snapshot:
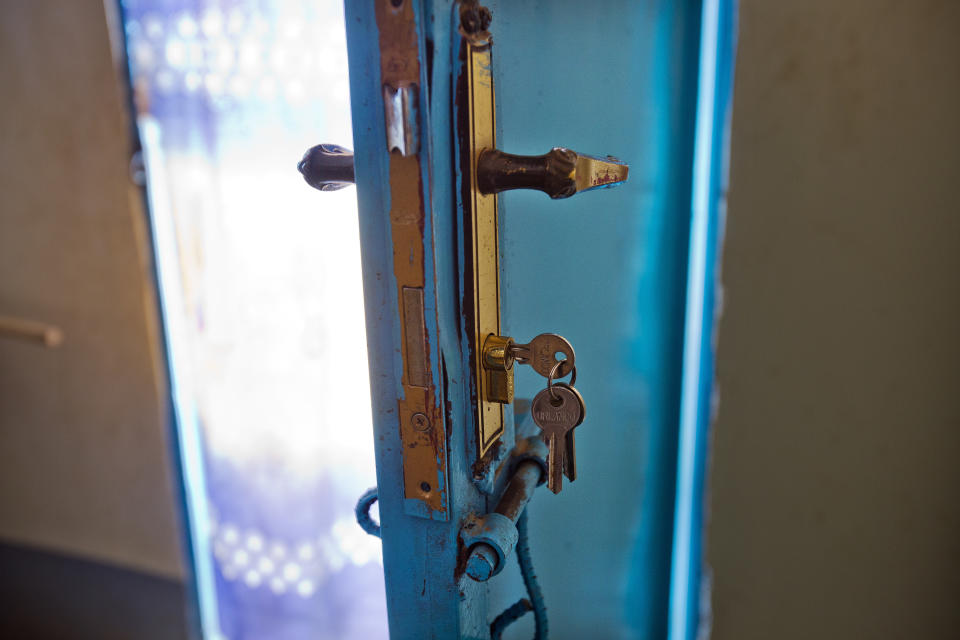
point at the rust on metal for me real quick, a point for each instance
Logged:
(421, 419)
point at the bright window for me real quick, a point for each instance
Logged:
(260, 285)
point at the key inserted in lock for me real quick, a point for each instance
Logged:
(501, 352)
(498, 362)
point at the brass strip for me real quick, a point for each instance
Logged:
(594, 173)
(421, 426)
(416, 337)
(486, 261)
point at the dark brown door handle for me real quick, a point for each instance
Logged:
(559, 173)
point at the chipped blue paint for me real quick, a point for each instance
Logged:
(425, 596)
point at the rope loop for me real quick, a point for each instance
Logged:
(363, 512)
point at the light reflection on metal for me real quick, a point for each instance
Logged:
(597, 173)
(327, 167)
(400, 115)
(498, 361)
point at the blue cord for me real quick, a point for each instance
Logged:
(510, 615)
(530, 580)
(363, 512)
(524, 559)
(535, 603)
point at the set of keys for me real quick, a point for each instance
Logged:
(559, 408)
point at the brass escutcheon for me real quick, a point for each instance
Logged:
(496, 353)
(498, 361)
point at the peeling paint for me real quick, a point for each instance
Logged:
(425, 455)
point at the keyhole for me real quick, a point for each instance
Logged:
(425, 487)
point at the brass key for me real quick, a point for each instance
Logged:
(557, 410)
(570, 444)
(570, 457)
(541, 354)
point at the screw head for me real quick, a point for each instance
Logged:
(420, 421)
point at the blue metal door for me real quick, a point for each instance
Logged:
(625, 274)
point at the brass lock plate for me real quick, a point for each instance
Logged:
(481, 227)
(421, 420)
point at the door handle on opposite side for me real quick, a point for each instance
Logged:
(327, 167)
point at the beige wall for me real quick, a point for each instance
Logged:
(84, 467)
(836, 460)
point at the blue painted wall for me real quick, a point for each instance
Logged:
(607, 269)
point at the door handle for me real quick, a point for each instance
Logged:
(327, 167)
(560, 173)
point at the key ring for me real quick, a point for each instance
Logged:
(553, 373)
(514, 350)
